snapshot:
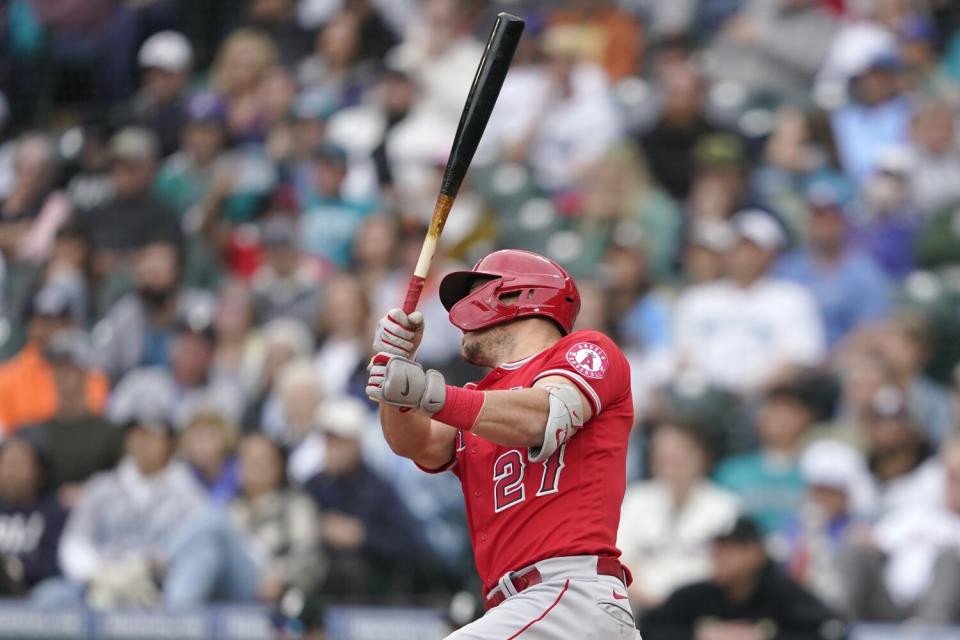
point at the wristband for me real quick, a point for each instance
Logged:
(461, 408)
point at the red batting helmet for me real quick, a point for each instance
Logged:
(545, 289)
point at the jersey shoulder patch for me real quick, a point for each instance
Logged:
(588, 359)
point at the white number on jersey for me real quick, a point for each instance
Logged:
(508, 472)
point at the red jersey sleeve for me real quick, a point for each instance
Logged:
(594, 363)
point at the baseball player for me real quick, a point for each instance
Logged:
(539, 445)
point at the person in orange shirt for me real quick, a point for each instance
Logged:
(28, 391)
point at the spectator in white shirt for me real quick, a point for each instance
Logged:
(668, 522)
(909, 565)
(904, 471)
(740, 332)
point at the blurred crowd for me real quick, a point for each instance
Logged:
(206, 205)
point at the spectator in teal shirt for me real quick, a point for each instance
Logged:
(768, 480)
(330, 219)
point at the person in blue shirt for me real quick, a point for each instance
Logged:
(877, 117)
(331, 219)
(849, 287)
(768, 480)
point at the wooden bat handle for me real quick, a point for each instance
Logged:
(414, 289)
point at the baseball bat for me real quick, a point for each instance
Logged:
(487, 82)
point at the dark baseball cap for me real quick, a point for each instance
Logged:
(743, 530)
(332, 153)
(719, 151)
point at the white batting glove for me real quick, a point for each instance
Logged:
(399, 382)
(399, 334)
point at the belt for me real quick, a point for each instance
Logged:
(526, 578)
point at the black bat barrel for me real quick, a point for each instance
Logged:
(493, 68)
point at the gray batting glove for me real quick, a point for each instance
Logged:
(399, 382)
(399, 334)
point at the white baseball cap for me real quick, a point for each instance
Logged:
(760, 228)
(837, 465)
(167, 50)
(345, 417)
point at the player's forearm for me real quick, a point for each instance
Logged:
(514, 418)
(415, 436)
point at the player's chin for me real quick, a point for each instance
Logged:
(470, 349)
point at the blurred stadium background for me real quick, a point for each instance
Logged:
(206, 204)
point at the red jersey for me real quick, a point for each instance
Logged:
(521, 512)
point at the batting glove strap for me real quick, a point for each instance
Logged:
(400, 382)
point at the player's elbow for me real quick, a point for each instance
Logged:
(403, 447)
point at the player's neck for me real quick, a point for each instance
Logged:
(531, 336)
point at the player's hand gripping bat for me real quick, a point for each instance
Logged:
(494, 64)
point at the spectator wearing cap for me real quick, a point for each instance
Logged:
(768, 480)
(920, 38)
(752, 318)
(166, 61)
(142, 533)
(372, 540)
(747, 596)
(720, 177)
(136, 329)
(908, 565)
(28, 386)
(188, 174)
(78, 441)
(935, 158)
(877, 117)
(31, 518)
(330, 217)
(899, 455)
(890, 222)
(190, 383)
(849, 287)
(286, 284)
(706, 242)
(310, 115)
(670, 142)
(667, 522)
(134, 216)
(91, 185)
(280, 521)
(838, 506)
